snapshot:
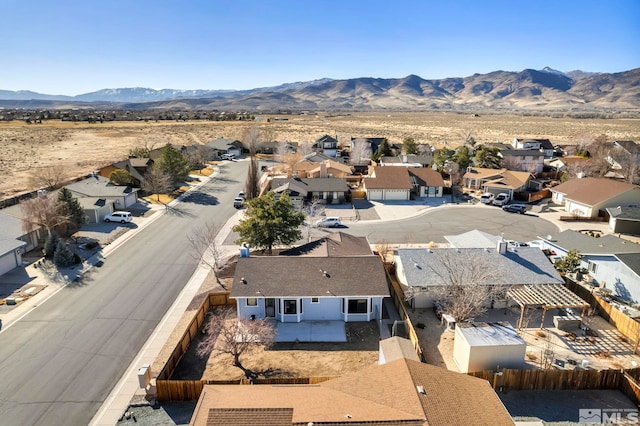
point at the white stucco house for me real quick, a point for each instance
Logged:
(97, 187)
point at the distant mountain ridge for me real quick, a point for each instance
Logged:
(545, 89)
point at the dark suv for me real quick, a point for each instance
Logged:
(515, 208)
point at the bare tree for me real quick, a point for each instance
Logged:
(198, 157)
(228, 334)
(156, 181)
(465, 282)
(305, 147)
(206, 249)
(42, 212)
(360, 152)
(47, 177)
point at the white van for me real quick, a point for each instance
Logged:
(487, 198)
(328, 222)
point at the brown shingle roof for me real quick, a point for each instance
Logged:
(427, 175)
(591, 191)
(381, 393)
(510, 179)
(482, 173)
(250, 416)
(389, 178)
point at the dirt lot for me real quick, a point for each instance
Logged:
(608, 350)
(81, 147)
(285, 360)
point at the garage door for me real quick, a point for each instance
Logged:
(395, 194)
(374, 194)
(7, 263)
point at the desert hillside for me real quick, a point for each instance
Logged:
(81, 148)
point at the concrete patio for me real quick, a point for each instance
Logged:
(311, 331)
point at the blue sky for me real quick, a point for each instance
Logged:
(72, 47)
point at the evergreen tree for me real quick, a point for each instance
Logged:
(441, 157)
(63, 255)
(269, 222)
(488, 158)
(120, 177)
(409, 146)
(463, 158)
(50, 245)
(173, 163)
(70, 207)
(570, 262)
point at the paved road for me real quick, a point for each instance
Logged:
(59, 363)
(440, 221)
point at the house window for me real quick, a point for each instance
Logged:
(315, 300)
(290, 306)
(357, 306)
(593, 267)
(252, 301)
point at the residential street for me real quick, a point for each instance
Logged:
(59, 363)
(435, 223)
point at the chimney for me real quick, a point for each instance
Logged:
(502, 246)
(244, 250)
(580, 175)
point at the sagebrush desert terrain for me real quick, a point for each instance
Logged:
(81, 147)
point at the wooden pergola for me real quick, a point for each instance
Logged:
(547, 296)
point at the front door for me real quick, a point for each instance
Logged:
(269, 308)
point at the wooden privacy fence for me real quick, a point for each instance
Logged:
(397, 295)
(213, 299)
(511, 379)
(190, 390)
(626, 325)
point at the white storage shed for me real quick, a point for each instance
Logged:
(487, 346)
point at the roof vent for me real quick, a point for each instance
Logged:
(243, 281)
(421, 390)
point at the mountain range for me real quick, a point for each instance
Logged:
(545, 89)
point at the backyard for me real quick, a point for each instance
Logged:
(604, 348)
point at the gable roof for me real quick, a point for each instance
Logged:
(544, 143)
(426, 176)
(332, 164)
(592, 191)
(473, 239)
(302, 276)
(389, 393)
(625, 212)
(326, 138)
(482, 173)
(389, 178)
(630, 146)
(303, 186)
(607, 244)
(336, 244)
(510, 179)
(524, 265)
(632, 261)
(99, 187)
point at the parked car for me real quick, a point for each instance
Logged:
(501, 199)
(238, 202)
(241, 195)
(227, 157)
(487, 198)
(329, 222)
(515, 208)
(121, 217)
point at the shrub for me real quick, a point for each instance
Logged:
(50, 245)
(63, 255)
(541, 333)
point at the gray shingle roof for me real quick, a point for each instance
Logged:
(631, 260)
(333, 245)
(527, 152)
(280, 276)
(624, 212)
(99, 187)
(525, 265)
(607, 244)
